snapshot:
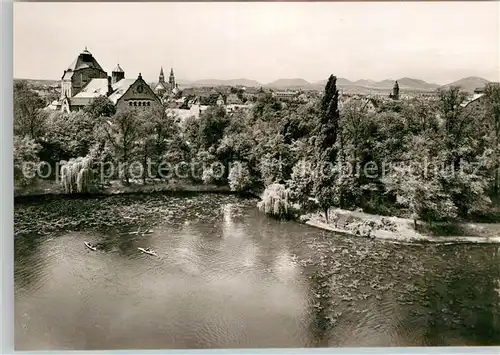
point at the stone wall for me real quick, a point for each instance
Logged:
(82, 76)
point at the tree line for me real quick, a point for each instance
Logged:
(431, 160)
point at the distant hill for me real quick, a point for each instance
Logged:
(181, 82)
(416, 84)
(404, 83)
(289, 83)
(365, 83)
(38, 81)
(383, 84)
(340, 82)
(469, 84)
(387, 84)
(230, 82)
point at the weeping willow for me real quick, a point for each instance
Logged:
(275, 201)
(76, 174)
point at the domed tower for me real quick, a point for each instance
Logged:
(83, 69)
(117, 74)
(176, 92)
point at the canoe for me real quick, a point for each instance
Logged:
(90, 246)
(149, 252)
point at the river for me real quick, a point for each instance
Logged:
(227, 276)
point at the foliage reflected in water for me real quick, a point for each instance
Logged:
(448, 297)
(361, 292)
(462, 299)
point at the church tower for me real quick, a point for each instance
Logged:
(161, 87)
(66, 86)
(395, 91)
(161, 78)
(171, 79)
(117, 74)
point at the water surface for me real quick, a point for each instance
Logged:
(229, 277)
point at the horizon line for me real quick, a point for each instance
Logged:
(314, 82)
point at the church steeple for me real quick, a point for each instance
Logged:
(395, 91)
(162, 76)
(171, 79)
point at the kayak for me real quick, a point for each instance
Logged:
(148, 251)
(90, 246)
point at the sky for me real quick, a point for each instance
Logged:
(435, 42)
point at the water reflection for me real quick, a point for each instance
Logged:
(463, 298)
(227, 276)
(29, 270)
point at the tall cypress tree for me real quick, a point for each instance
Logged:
(329, 122)
(326, 147)
(328, 94)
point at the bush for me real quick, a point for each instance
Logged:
(25, 160)
(239, 177)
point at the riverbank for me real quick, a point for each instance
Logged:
(46, 188)
(350, 223)
(401, 230)
(232, 260)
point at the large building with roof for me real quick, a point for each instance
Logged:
(475, 102)
(84, 80)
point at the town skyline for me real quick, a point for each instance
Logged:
(231, 41)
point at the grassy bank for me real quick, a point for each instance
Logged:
(50, 187)
(360, 224)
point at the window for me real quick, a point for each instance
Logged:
(130, 103)
(87, 58)
(135, 103)
(149, 103)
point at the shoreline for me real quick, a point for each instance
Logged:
(401, 231)
(47, 189)
(348, 223)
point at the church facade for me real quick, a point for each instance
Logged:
(164, 89)
(84, 80)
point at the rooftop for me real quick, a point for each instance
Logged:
(94, 88)
(99, 87)
(79, 101)
(84, 60)
(118, 69)
(120, 88)
(472, 99)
